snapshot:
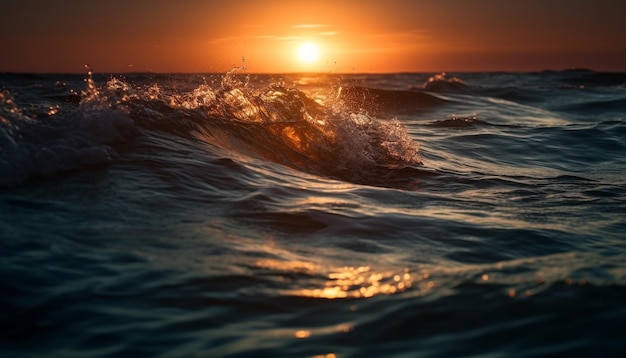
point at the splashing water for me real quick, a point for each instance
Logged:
(277, 123)
(33, 147)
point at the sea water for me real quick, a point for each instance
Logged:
(313, 215)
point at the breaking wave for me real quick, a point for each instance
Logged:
(276, 123)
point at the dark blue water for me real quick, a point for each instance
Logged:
(241, 215)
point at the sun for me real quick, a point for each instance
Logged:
(308, 52)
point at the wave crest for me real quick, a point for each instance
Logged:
(283, 125)
(276, 123)
(441, 83)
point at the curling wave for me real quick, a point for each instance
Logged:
(274, 123)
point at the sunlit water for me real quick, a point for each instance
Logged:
(313, 215)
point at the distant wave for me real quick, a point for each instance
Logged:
(588, 78)
(377, 101)
(441, 83)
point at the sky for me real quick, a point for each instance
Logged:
(343, 36)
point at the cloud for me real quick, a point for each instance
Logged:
(309, 26)
(401, 34)
(278, 38)
(220, 40)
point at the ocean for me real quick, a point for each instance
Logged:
(313, 215)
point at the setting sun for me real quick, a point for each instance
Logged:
(308, 52)
(277, 36)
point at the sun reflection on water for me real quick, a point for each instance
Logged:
(302, 334)
(358, 282)
(347, 281)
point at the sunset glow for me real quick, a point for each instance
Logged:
(308, 52)
(345, 36)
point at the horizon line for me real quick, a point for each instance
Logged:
(574, 69)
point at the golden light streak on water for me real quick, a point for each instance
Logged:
(346, 281)
(359, 282)
(302, 334)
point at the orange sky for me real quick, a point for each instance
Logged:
(352, 36)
